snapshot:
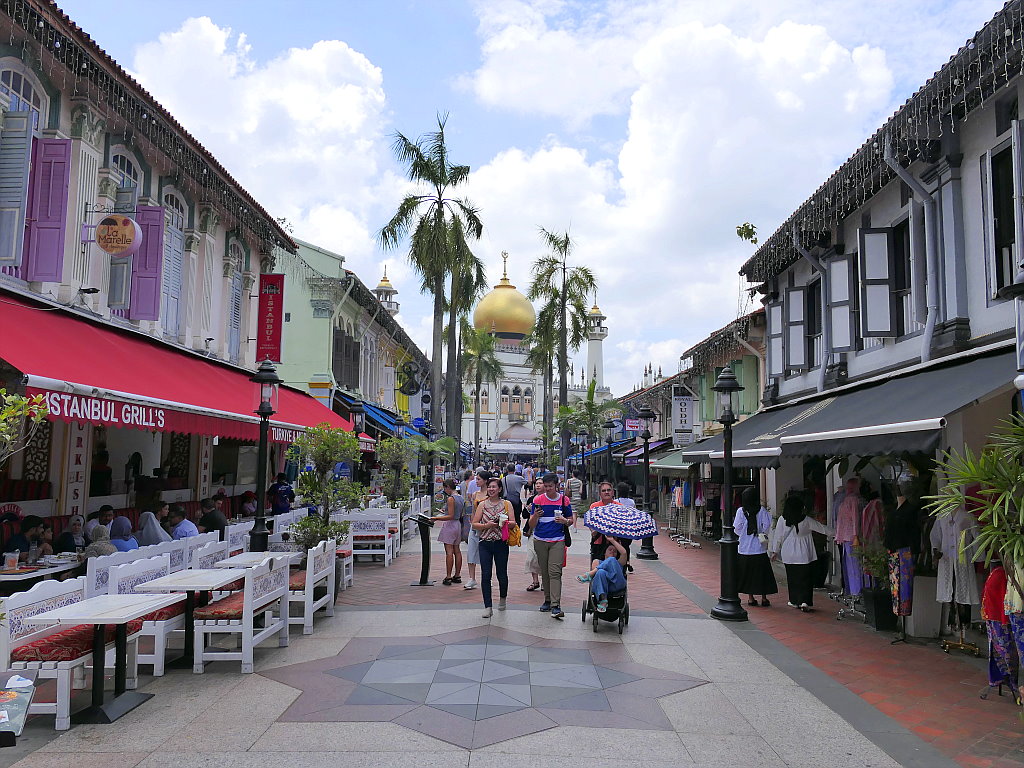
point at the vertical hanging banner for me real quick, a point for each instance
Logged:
(682, 417)
(271, 309)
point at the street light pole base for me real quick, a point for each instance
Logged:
(729, 609)
(647, 550)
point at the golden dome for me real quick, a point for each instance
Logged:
(505, 311)
(594, 310)
(385, 284)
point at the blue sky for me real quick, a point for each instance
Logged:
(648, 127)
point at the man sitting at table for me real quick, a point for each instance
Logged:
(181, 526)
(212, 518)
(31, 527)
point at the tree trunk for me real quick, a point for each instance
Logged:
(476, 411)
(549, 413)
(563, 372)
(436, 356)
(454, 381)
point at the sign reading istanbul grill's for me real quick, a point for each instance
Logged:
(118, 235)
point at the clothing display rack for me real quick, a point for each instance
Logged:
(958, 623)
(681, 526)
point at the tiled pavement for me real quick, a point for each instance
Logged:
(933, 694)
(786, 689)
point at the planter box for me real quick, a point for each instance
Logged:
(878, 609)
(926, 620)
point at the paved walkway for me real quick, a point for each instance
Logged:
(414, 676)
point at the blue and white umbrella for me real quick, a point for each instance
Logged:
(622, 521)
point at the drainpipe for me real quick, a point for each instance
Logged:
(826, 324)
(931, 249)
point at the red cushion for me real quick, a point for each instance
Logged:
(297, 580)
(166, 613)
(344, 552)
(66, 645)
(228, 608)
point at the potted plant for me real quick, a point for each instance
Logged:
(874, 560)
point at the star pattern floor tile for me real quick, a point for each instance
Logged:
(482, 688)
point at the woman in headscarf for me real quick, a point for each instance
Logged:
(150, 532)
(100, 543)
(793, 540)
(121, 535)
(752, 524)
(73, 539)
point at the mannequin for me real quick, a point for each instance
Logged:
(903, 542)
(957, 583)
(847, 529)
(1003, 661)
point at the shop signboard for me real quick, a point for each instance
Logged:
(682, 417)
(118, 235)
(271, 315)
(632, 425)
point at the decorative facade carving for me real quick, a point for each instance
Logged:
(107, 186)
(87, 125)
(191, 241)
(321, 307)
(209, 220)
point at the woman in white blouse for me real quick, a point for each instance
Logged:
(792, 539)
(754, 573)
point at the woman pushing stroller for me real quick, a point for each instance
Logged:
(607, 576)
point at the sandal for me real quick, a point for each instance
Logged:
(533, 588)
(456, 579)
(447, 581)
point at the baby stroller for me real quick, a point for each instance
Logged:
(618, 602)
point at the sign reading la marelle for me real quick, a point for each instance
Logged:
(118, 235)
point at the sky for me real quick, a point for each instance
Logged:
(647, 129)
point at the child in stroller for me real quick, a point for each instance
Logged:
(607, 575)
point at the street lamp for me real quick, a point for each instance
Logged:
(358, 414)
(609, 427)
(267, 382)
(729, 607)
(582, 436)
(647, 416)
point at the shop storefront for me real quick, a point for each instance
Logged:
(132, 419)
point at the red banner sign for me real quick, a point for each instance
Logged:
(271, 314)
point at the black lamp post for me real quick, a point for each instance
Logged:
(358, 414)
(729, 607)
(267, 380)
(582, 440)
(609, 427)
(647, 416)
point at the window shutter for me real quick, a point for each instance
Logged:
(147, 264)
(170, 300)
(776, 345)
(796, 329)
(877, 303)
(235, 316)
(127, 199)
(1017, 139)
(47, 209)
(15, 160)
(118, 289)
(918, 261)
(840, 303)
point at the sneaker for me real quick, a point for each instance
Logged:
(487, 613)
(501, 603)
(556, 612)
(805, 607)
(545, 607)
(792, 605)
(469, 584)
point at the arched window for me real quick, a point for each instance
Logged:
(517, 402)
(172, 284)
(484, 404)
(528, 403)
(504, 400)
(126, 172)
(24, 96)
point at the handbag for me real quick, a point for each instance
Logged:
(515, 535)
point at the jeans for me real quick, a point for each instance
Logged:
(550, 555)
(604, 583)
(493, 553)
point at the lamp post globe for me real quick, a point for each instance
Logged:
(646, 415)
(358, 414)
(267, 381)
(729, 606)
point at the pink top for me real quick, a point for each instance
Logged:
(871, 522)
(846, 519)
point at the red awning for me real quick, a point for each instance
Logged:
(94, 373)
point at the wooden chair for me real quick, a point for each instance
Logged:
(319, 571)
(56, 652)
(160, 624)
(265, 591)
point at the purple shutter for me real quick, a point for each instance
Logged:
(147, 264)
(47, 209)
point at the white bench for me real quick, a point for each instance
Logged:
(97, 569)
(264, 591)
(320, 570)
(369, 535)
(194, 543)
(237, 536)
(54, 651)
(159, 626)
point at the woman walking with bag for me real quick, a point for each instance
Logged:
(451, 533)
(752, 524)
(490, 521)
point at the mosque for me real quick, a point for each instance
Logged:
(512, 410)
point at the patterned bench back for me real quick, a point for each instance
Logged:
(209, 554)
(97, 569)
(177, 551)
(237, 535)
(44, 596)
(265, 583)
(124, 578)
(195, 543)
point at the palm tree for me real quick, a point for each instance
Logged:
(565, 291)
(481, 365)
(542, 343)
(468, 281)
(587, 414)
(432, 221)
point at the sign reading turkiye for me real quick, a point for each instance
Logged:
(268, 331)
(118, 235)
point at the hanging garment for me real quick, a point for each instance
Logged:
(853, 576)
(1003, 660)
(871, 524)
(698, 494)
(687, 490)
(901, 580)
(677, 497)
(956, 580)
(847, 518)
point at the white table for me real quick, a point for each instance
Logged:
(191, 581)
(39, 573)
(101, 611)
(252, 559)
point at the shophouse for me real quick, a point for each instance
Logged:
(130, 268)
